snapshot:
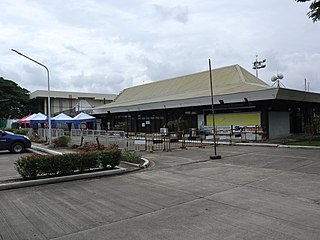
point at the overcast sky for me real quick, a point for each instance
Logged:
(105, 46)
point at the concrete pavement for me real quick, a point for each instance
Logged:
(251, 193)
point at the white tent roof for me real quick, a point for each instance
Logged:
(83, 117)
(38, 118)
(62, 118)
(29, 117)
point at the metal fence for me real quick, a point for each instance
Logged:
(232, 133)
(106, 138)
(164, 141)
(44, 132)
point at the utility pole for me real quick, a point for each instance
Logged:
(215, 156)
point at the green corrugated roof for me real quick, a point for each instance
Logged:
(226, 80)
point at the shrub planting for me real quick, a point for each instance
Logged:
(132, 157)
(89, 146)
(110, 158)
(21, 131)
(33, 166)
(62, 141)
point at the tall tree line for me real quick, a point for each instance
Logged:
(14, 100)
(314, 7)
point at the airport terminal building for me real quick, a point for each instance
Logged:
(241, 101)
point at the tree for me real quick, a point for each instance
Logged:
(314, 12)
(176, 125)
(14, 100)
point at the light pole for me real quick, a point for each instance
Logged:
(49, 105)
(215, 156)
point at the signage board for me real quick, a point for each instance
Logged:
(235, 119)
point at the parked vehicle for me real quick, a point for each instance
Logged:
(14, 142)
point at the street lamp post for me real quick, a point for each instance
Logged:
(49, 105)
(215, 156)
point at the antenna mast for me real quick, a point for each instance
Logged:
(259, 64)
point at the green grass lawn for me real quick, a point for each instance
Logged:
(312, 142)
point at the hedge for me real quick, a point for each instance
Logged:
(21, 131)
(132, 157)
(33, 166)
(62, 141)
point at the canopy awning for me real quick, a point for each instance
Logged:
(62, 118)
(83, 117)
(38, 118)
(25, 119)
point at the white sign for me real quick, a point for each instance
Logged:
(140, 142)
(163, 130)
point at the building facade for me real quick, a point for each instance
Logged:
(68, 102)
(241, 101)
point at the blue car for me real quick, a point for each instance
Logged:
(14, 142)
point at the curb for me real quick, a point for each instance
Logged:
(268, 145)
(246, 144)
(296, 146)
(276, 145)
(38, 182)
(258, 144)
(37, 148)
(146, 163)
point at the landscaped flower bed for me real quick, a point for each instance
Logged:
(34, 166)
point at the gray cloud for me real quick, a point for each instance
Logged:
(74, 49)
(105, 46)
(177, 13)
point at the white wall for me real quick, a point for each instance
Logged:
(279, 124)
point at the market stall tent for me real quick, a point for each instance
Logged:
(83, 118)
(25, 120)
(38, 118)
(62, 118)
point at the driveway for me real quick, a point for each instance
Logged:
(7, 160)
(251, 193)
